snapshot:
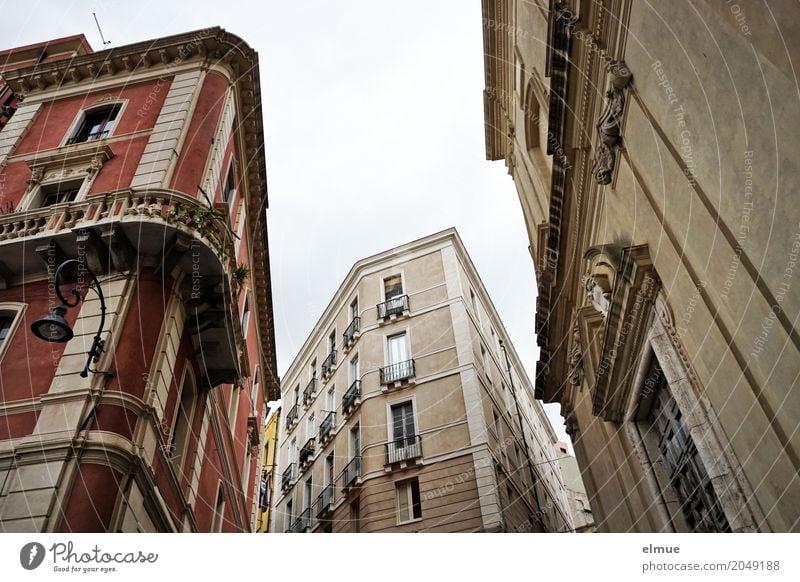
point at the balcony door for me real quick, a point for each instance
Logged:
(403, 429)
(397, 347)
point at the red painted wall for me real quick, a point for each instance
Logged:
(14, 426)
(91, 501)
(29, 364)
(194, 152)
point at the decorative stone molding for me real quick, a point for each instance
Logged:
(633, 291)
(65, 163)
(604, 261)
(575, 374)
(609, 128)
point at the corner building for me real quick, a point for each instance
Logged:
(403, 413)
(145, 162)
(656, 174)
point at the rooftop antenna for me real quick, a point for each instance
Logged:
(100, 30)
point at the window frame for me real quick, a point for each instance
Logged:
(187, 375)
(77, 123)
(18, 310)
(34, 198)
(411, 399)
(405, 487)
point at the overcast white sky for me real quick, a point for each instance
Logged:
(374, 129)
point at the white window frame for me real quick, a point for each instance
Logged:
(412, 398)
(389, 276)
(78, 121)
(409, 499)
(18, 310)
(401, 331)
(33, 198)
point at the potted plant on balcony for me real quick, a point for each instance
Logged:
(240, 275)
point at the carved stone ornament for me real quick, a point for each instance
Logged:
(575, 375)
(599, 280)
(609, 130)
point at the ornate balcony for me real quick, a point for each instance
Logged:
(404, 450)
(291, 417)
(327, 365)
(117, 231)
(351, 398)
(351, 476)
(396, 374)
(326, 427)
(307, 452)
(351, 334)
(324, 501)
(309, 391)
(392, 308)
(286, 477)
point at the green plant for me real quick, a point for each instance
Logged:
(242, 273)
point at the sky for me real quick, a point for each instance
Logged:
(373, 120)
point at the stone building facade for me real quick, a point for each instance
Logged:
(652, 147)
(145, 164)
(407, 408)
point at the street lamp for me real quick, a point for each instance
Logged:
(55, 328)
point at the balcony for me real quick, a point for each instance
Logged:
(122, 229)
(393, 308)
(351, 476)
(291, 417)
(404, 450)
(351, 334)
(326, 427)
(307, 452)
(88, 137)
(397, 374)
(324, 501)
(351, 398)
(303, 522)
(286, 477)
(327, 365)
(309, 392)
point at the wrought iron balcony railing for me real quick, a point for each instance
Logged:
(394, 306)
(324, 501)
(404, 449)
(352, 471)
(351, 397)
(328, 364)
(303, 522)
(287, 476)
(351, 332)
(397, 372)
(88, 137)
(291, 417)
(307, 451)
(326, 426)
(310, 390)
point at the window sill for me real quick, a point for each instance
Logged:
(415, 520)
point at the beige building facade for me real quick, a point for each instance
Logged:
(407, 409)
(652, 150)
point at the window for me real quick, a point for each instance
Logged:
(52, 194)
(289, 515)
(497, 428)
(403, 429)
(245, 314)
(355, 515)
(313, 369)
(329, 472)
(296, 394)
(397, 348)
(332, 341)
(181, 427)
(392, 287)
(219, 509)
(355, 441)
(485, 358)
(255, 391)
(96, 124)
(229, 190)
(669, 441)
(10, 314)
(354, 309)
(354, 369)
(309, 492)
(293, 452)
(330, 399)
(409, 504)
(473, 301)
(233, 408)
(310, 426)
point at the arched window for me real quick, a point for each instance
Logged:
(182, 424)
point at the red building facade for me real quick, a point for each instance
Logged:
(146, 164)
